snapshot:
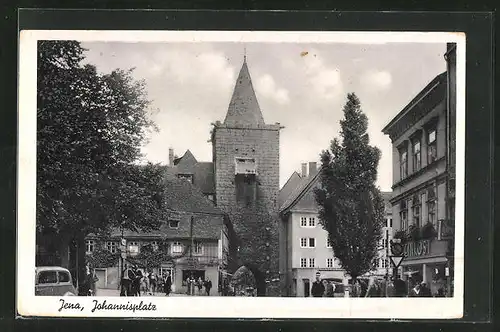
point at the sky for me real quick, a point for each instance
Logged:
(302, 86)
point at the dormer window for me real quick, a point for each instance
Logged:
(187, 177)
(245, 166)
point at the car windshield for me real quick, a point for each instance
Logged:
(47, 277)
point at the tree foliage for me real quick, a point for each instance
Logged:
(351, 207)
(90, 129)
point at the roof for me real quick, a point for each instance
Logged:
(425, 99)
(244, 108)
(181, 195)
(300, 190)
(203, 172)
(290, 185)
(205, 226)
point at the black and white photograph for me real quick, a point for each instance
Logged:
(241, 174)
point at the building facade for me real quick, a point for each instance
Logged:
(304, 243)
(246, 177)
(423, 210)
(383, 264)
(193, 241)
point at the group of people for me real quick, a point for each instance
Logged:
(386, 287)
(135, 282)
(198, 286)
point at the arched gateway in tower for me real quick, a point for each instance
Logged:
(246, 167)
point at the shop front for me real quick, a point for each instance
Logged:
(426, 261)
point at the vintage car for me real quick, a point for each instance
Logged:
(54, 281)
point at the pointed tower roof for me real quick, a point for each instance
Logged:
(244, 108)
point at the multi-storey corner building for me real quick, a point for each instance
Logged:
(423, 209)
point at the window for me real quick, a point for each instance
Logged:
(63, 276)
(403, 163)
(47, 277)
(176, 248)
(311, 262)
(89, 246)
(431, 204)
(328, 243)
(403, 215)
(173, 223)
(303, 262)
(329, 262)
(312, 242)
(187, 177)
(111, 247)
(303, 221)
(389, 222)
(312, 222)
(197, 248)
(416, 205)
(431, 146)
(417, 162)
(154, 245)
(303, 242)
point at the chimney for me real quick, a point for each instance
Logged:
(313, 169)
(304, 170)
(170, 157)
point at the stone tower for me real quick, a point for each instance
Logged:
(246, 167)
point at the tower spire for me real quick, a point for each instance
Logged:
(244, 108)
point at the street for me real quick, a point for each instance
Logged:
(116, 292)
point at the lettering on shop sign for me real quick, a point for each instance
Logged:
(417, 249)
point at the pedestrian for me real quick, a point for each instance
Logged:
(356, 289)
(126, 282)
(152, 282)
(167, 284)
(383, 286)
(208, 286)
(193, 285)
(136, 283)
(373, 289)
(399, 287)
(317, 289)
(330, 289)
(425, 291)
(440, 292)
(199, 283)
(415, 291)
(391, 292)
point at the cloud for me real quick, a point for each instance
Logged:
(325, 80)
(266, 87)
(377, 79)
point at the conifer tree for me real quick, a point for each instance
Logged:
(350, 205)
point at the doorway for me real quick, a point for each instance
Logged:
(307, 288)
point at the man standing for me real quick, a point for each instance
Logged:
(399, 287)
(317, 288)
(167, 284)
(208, 286)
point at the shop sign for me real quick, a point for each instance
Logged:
(192, 262)
(417, 249)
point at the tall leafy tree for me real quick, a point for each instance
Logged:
(350, 205)
(90, 128)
